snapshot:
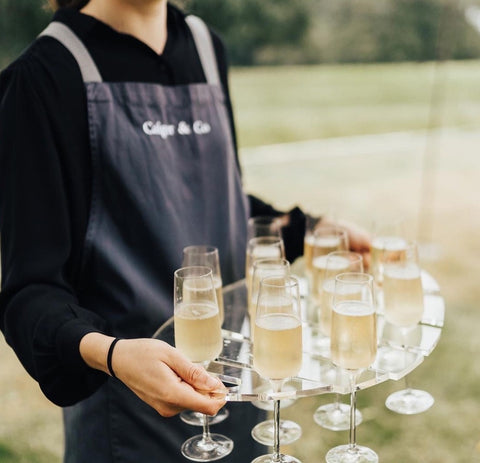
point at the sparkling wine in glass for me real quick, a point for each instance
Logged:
(336, 415)
(263, 432)
(310, 224)
(262, 268)
(277, 347)
(324, 240)
(336, 262)
(198, 336)
(403, 308)
(353, 348)
(263, 225)
(388, 244)
(205, 255)
(261, 247)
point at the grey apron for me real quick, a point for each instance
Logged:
(164, 177)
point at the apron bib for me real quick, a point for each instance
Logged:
(164, 177)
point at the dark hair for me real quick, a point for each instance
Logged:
(78, 4)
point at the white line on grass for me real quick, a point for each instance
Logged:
(414, 142)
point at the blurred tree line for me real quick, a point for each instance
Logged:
(303, 31)
(341, 31)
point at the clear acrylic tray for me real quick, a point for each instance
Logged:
(396, 356)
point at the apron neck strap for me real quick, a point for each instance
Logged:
(89, 70)
(69, 40)
(204, 44)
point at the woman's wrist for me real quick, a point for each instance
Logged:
(94, 348)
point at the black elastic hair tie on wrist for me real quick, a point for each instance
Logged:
(109, 357)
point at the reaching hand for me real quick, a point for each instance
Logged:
(358, 238)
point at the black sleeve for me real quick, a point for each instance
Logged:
(39, 312)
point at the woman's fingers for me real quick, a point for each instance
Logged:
(165, 379)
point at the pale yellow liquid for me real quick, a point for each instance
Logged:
(323, 245)
(386, 249)
(353, 341)
(200, 291)
(217, 282)
(277, 351)
(197, 331)
(259, 252)
(258, 274)
(403, 295)
(308, 252)
(270, 304)
(326, 303)
(336, 265)
(318, 273)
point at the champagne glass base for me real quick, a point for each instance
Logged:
(195, 418)
(198, 449)
(409, 401)
(270, 459)
(289, 432)
(349, 454)
(335, 416)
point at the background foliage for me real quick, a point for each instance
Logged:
(319, 31)
(301, 31)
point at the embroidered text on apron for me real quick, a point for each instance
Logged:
(164, 177)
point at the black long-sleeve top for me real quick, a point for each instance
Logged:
(45, 177)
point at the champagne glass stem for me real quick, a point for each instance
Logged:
(407, 383)
(276, 431)
(405, 355)
(206, 429)
(277, 387)
(337, 401)
(353, 407)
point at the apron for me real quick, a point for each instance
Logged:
(164, 177)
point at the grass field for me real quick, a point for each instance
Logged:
(365, 185)
(275, 105)
(359, 178)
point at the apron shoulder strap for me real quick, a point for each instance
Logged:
(71, 42)
(204, 44)
(90, 73)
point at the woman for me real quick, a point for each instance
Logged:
(117, 151)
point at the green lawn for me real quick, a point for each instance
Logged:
(275, 105)
(368, 181)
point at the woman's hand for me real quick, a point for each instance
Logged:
(157, 373)
(358, 238)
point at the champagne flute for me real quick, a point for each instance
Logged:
(207, 256)
(403, 308)
(325, 239)
(198, 335)
(277, 350)
(353, 348)
(263, 225)
(388, 242)
(262, 268)
(335, 415)
(336, 262)
(263, 432)
(311, 224)
(261, 247)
